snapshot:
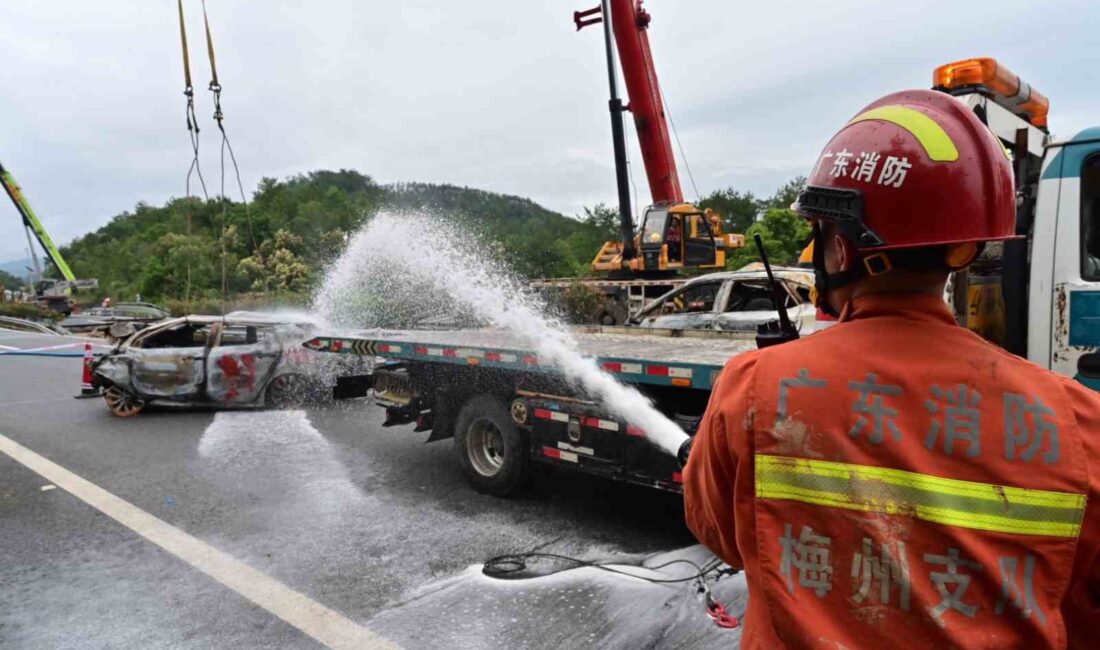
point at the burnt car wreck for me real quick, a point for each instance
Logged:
(237, 361)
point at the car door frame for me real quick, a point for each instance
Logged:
(197, 355)
(720, 298)
(268, 349)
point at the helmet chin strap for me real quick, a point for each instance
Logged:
(824, 282)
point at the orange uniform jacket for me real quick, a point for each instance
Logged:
(896, 481)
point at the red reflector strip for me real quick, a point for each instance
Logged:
(420, 349)
(632, 430)
(657, 371)
(530, 360)
(597, 423)
(492, 356)
(449, 352)
(620, 367)
(543, 414)
(336, 345)
(550, 452)
(678, 477)
(383, 348)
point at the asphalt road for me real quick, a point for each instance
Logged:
(368, 522)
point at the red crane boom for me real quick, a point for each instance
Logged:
(630, 23)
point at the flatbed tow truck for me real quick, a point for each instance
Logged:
(506, 408)
(1038, 296)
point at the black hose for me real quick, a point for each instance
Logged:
(506, 565)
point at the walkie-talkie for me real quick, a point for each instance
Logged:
(779, 331)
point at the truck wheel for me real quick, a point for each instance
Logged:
(491, 449)
(122, 403)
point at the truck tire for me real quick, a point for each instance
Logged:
(490, 447)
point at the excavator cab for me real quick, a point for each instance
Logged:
(673, 236)
(678, 236)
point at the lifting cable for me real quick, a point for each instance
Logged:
(193, 134)
(683, 156)
(219, 116)
(216, 88)
(192, 121)
(193, 129)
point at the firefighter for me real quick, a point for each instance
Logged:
(895, 480)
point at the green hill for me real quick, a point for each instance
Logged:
(281, 241)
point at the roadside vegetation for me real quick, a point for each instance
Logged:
(277, 246)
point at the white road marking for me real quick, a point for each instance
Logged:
(9, 347)
(47, 488)
(325, 625)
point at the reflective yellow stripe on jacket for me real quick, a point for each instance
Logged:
(967, 504)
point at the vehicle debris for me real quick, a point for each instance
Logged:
(238, 360)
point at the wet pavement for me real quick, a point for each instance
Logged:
(368, 521)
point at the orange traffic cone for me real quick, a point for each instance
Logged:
(86, 387)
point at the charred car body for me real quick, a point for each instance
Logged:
(735, 301)
(240, 360)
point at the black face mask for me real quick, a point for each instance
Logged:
(824, 282)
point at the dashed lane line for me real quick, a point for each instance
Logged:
(323, 624)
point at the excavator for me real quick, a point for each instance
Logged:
(674, 235)
(51, 293)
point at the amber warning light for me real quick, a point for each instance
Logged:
(1007, 89)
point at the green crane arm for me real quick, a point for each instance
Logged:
(32, 222)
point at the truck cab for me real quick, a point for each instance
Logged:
(1064, 294)
(1038, 295)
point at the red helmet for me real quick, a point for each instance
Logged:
(915, 168)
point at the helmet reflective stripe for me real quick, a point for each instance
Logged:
(937, 144)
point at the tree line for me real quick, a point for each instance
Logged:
(278, 244)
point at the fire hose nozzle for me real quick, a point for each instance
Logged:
(684, 452)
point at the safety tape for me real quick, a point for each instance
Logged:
(952, 502)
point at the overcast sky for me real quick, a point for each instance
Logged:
(502, 95)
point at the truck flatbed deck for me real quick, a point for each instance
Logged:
(655, 357)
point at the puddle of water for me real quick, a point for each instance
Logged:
(582, 607)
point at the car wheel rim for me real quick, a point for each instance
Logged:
(485, 448)
(121, 403)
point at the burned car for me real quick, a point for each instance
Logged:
(734, 301)
(239, 360)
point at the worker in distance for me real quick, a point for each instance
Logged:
(895, 480)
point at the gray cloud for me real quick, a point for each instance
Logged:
(496, 94)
